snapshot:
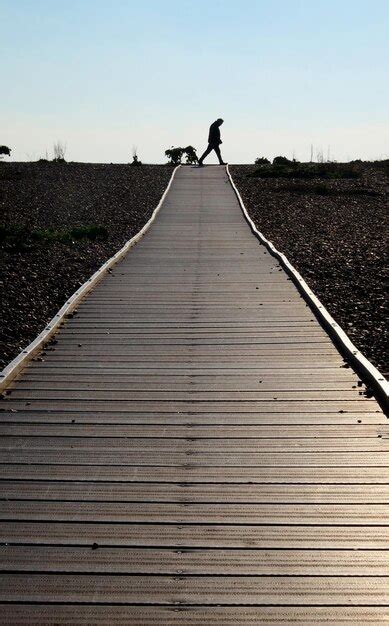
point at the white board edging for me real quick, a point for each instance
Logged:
(366, 369)
(14, 367)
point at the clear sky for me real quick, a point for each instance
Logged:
(104, 76)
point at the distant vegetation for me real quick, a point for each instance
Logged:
(284, 168)
(175, 155)
(262, 161)
(135, 159)
(17, 238)
(59, 149)
(5, 150)
(281, 160)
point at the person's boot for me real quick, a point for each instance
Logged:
(200, 164)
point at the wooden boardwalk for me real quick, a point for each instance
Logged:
(192, 448)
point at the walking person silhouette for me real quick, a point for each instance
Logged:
(214, 142)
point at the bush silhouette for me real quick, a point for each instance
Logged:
(175, 155)
(281, 160)
(191, 156)
(5, 150)
(135, 161)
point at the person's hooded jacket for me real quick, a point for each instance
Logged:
(214, 134)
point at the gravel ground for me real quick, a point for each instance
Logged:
(36, 281)
(335, 239)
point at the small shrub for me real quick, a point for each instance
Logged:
(175, 155)
(281, 160)
(135, 160)
(191, 156)
(262, 161)
(59, 149)
(5, 150)
(44, 159)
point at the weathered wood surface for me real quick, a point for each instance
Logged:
(193, 449)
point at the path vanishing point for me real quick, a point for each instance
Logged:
(193, 449)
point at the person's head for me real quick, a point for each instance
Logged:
(219, 121)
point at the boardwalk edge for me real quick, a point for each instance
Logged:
(363, 367)
(14, 367)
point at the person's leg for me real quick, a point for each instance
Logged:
(208, 150)
(218, 153)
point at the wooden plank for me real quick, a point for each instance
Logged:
(196, 535)
(107, 339)
(194, 395)
(224, 349)
(261, 361)
(110, 321)
(185, 512)
(209, 562)
(114, 327)
(189, 456)
(190, 418)
(219, 431)
(351, 475)
(184, 492)
(133, 375)
(196, 445)
(191, 446)
(63, 615)
(201, 590)
(191, 407)
(189, 368)
(143, 384)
